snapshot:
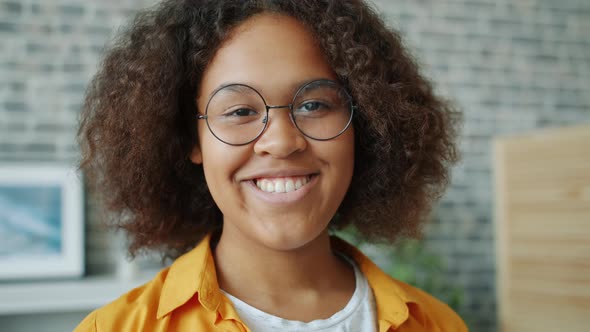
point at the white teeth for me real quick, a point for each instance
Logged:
(298, 184)
(289, 186)
(282, 185)
(270, 187)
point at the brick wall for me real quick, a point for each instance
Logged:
(48, 52)
(511, 66)
(49, 49)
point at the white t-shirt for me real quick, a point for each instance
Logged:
(358, 315)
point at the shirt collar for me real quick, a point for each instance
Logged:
(390, 298)
(190, 274)
(194, 273)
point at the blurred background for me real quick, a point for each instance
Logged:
(512, 67)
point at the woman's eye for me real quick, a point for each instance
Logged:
(241, 112)
(311, 106)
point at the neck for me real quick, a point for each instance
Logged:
(256, 273)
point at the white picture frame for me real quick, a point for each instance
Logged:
(41, 221)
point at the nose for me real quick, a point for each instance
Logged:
(281, 138)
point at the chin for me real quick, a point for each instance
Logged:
(289, 240)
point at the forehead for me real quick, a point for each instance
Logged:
(270, 52)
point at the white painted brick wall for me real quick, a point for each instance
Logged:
(511, 66)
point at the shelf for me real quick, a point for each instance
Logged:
(65, 295)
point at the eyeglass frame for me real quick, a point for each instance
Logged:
(353, 107)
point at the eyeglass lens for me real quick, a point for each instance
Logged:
(321, 110)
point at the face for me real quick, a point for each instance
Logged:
(275, 55)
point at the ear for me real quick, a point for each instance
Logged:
(196, 157)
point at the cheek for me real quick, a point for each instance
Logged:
(343, 153)
(220, 164)
(214, 152)
(221, 161)
(338, 155)
(345, 164)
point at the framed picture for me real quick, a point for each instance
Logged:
(41, 221)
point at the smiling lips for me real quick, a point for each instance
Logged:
(283, 184)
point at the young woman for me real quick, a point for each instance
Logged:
(232, 135)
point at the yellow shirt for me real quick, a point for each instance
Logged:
(186, 297)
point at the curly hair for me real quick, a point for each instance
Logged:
(138, 123)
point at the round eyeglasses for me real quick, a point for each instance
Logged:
(237, 114)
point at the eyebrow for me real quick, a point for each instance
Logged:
(235, 87)
(239, 86)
